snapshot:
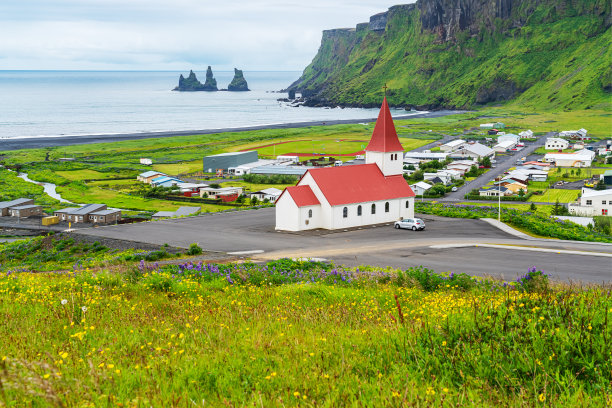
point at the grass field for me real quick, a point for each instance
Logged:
(552, 195)
(209, 335)
(85, 174)
(177, 169)
(543, 209)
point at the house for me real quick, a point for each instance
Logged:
(352, 196)
(191, 189)
(607, 177)
(580, 134)
(165, 181)
(494, 191)
(105, 216)
(148, 176)
(474, 150)
(78, 214)
(6, 205)
(453, 145)
(504, 146)
(443, 178)
(225, 194)
(425, 156)
(224, 161)
(592, 202)
(420, 188)
(581, 158)
(532, 174)
(578, 146)
(555, 143)
(289, 159)
(492, 132)
(297, 171)
(248, 167)
(180, 212)
(146, 162)
(270, 194)
(25, 211)
(526, 134)
(509, 136)
(513, 186)
(517, 177)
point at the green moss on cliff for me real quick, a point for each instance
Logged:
(556, 57)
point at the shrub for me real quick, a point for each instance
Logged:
(194, 249)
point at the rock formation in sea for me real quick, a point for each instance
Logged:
(238, 84)
(191, 83)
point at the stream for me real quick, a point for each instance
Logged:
(48, 187)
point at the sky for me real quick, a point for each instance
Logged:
(254, 35)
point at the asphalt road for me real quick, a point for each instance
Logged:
(251, 233)
(502, 165)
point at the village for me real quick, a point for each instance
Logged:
(565, 167)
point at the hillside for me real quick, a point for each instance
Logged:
(463, 53)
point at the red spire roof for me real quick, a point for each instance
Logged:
(384, 138)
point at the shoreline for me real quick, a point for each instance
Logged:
(35, 142)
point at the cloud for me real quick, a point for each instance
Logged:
(156, 34)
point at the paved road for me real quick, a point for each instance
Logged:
(253, 231)
(502, 165)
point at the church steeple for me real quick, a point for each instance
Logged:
(384, 138)
(385, 148)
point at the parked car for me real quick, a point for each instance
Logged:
(454, 189)
(410, 223)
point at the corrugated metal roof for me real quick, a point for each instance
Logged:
(13, 203)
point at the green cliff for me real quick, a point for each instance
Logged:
(238, 84)
(546, 54)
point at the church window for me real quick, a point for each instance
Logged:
(373, 208)
(386, 207)
(359, 210)
(407, 204)
(344, 212)
(310, 213)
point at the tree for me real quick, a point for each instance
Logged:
(486, 162)
(559, 209)
(254, 200)
(521, 193)
(533, 207)
(600, 185)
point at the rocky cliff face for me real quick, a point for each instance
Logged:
(238, 84)
(211, 82)
(458, 53)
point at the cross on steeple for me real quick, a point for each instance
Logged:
(385, 89)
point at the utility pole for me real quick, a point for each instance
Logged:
(499, 198)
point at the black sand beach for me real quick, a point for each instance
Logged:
(41, 142)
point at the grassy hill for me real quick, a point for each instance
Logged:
(541, 54)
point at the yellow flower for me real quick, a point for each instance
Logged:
(542, 397)
(296, 394)
(444, 343)
(110, 366)
(46, 376)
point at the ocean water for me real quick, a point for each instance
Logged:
(72, 103)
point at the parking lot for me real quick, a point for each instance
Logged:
(251, 233)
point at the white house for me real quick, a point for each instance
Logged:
(247, 167)
(474, 150)
(420, 188)
(494, 191)
(351, 196)
(270, 194)
(556, 143)
(425, 156)
(509, 136)
(452, 145)
(504, 146)
(526, 134)
(580, 134)
(581, 158)
(592, 202)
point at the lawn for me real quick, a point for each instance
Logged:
(552, 195)
(85, 174)
(295, 335)
(177, 169)
(542, 209)
(252, 187)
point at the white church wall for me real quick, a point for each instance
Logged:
(325, 208)
(397, 210)
(387, 162)
(287, 211)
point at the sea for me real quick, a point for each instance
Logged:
(75, 103)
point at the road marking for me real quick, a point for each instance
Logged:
(521, 248)
(252, 252)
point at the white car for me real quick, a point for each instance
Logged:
(410, 223)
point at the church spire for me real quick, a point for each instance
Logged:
(384, 138)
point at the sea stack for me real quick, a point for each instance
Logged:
(189, 84)
(211, 82)
(238, 84)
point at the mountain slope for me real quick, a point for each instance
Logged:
(462, 53)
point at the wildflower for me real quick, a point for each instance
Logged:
(84, 308)
(296, 394)
(444, 343)
(542, 397)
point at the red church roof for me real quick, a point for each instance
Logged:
(384, 137)
(302, 195)
(358, 183)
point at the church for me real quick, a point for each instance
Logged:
(352, 196)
